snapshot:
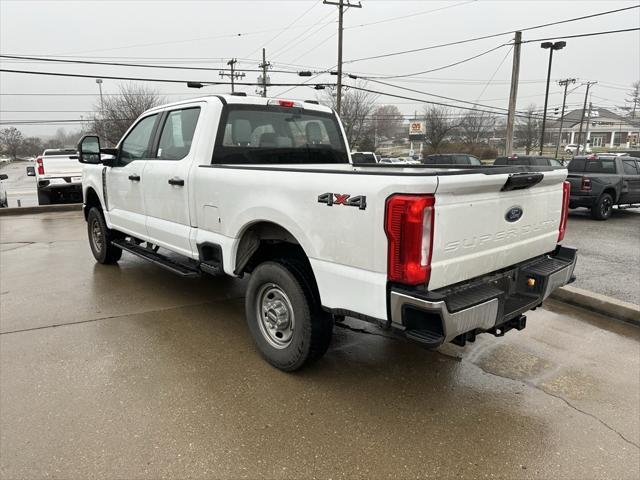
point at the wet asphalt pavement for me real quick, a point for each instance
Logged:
(130, 372)
(608, 253)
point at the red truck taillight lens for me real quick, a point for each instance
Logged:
(564, 214)
(585, 186)
(409, 229)
(40, 166)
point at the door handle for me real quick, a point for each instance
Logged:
(176, 181)
(134, 178)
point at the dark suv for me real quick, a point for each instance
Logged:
(451, 159)
(599, 182)
(528, 160)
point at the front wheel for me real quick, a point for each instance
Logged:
(100, 238)
(284, 315)
(603, 208)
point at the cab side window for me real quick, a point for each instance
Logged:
(630, 167)
(177, 134)
(138, 144)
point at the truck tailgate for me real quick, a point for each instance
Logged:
(474, 233)
(61, 166)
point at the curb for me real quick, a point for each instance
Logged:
(627, 312)
(69, 207)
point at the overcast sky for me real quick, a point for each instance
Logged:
(208, 33)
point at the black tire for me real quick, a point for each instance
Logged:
(44, 198)
(311, 329)
(100, 238)
(603, 208)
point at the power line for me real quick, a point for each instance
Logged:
(139, 79)
(419, 100)
(285, 28)
(486, 52)
(459, 42)
(410, 15)
(137, 65)
(584, 34)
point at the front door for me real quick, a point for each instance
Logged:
(125, 180)
(166, 188)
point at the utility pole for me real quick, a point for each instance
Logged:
(563, 83)
(586, 131)
(340, 4)
(233, 75)
(264, 66)
(584, 107)
(513, 94)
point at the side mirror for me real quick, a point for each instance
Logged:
(3, 176)
(31, 171)
(89, 149)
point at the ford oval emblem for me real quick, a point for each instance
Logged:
(513, 214)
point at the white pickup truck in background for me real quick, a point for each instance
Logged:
(236, 185)
(58, 176)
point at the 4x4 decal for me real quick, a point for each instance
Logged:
(331, 199)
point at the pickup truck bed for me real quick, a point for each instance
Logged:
(435, 254)
(58, 177)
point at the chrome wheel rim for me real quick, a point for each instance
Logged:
(275, 314)
(96, 235)
(605, 207)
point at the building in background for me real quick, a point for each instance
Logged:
(606, 129)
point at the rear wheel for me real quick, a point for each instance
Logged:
(284, 315)
(603, 208)
(100, 238)
(44, 198)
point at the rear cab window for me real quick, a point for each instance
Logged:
(601, 165)
(270, 134)
(576, 165)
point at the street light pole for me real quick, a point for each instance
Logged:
(551, 46)
(104, 128)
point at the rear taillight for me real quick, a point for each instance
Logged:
(409, 228)
(564, 213)
(40, 166)
(585, 186)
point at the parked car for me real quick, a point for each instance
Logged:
(58, 176)
(364, 157)
(3, 191)
(599, 182)
(528, 160)
(451, 159)
(434, 254)
(573, 148)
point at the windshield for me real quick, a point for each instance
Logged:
(251, 134)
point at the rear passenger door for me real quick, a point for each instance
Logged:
(166, 184)
(630, 181)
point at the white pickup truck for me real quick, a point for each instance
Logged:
(58, 176)
(236, 185)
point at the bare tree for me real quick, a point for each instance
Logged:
(634, 97)
(32, 146)
(121, 110)
(63, 139)
(528, 128)
(11, 141)
(477, 126)
(356, 107)
(386, 121)
(440, 123)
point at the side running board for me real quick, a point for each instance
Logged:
(158, 259)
